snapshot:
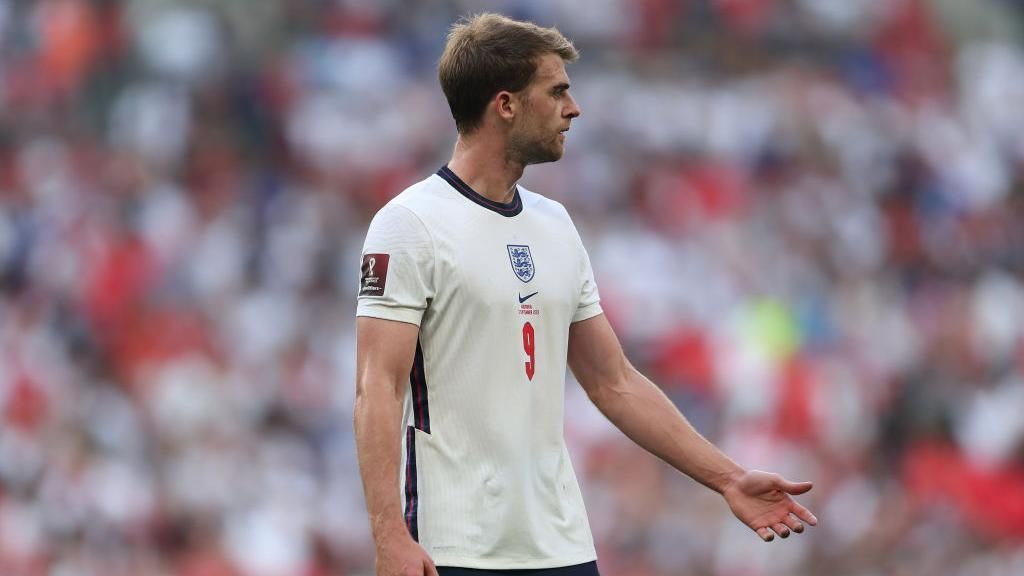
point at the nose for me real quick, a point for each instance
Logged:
(572, 110)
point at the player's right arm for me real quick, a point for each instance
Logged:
(384, 355)
(396, 285)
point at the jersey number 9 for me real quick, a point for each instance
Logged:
(528, 347)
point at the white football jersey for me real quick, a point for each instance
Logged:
(486, 481)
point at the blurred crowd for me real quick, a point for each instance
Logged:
(806, 218)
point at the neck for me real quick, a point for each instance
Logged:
(485, 165)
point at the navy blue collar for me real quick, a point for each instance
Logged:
(509, 210)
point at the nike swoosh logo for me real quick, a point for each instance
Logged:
(524, 299)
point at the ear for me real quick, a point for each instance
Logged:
(506, 104)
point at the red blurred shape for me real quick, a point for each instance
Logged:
(686, 357)
(27, 404)
(992, 499)
(746, 15)
(120, 283)
(794, 417)
(69, 41)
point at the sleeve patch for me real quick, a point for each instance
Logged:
(374, 274)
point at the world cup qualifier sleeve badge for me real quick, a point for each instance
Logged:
(522, 261)
(373, 276)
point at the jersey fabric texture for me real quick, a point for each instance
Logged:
(486, 478)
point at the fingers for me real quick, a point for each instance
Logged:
(787, 526)
(804, 514)
(795, 487)
(793, 524)
(781, 529)
(777, 482)
(429, 569)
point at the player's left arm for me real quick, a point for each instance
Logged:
(641, 410)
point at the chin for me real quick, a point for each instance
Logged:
(555, 157)
(542, 155)
(554, 153)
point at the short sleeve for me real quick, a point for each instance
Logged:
(396, 277)
(590, 301)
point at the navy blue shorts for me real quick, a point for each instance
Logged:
(588, 569)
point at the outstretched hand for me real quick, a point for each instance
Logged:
(762, 500)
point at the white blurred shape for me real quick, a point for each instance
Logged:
(739, 120)
(841, 409)
(342, 358)
(267, 541)
(153, 120)
(330, 132)
(317, 128)
(208, 478)
(639, 267)
(991, 429)
(746, 370)
(21, 458)
(862, 236)
(850, 511)
(262, 323)
(294, 240)
(991, 78)
(21, 533)
(180, 41)
(965, 157)
(167, 220)
(121, 494)
(838, 15)
(598, 20)
(365, 68)
(113, 420)
(45, 164)
(997, 306)
(217, 262)
(184, 396)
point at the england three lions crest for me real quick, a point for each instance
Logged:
(522, 262)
